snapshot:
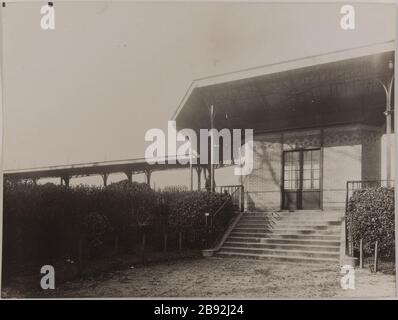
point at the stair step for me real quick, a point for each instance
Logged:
(309, 242)
(313, 228)
(281, 252)
(256, 219)
(294, 213)
(305, 236)
(254, 225)
(290, 237)
(306, 223)
(287, 223)
(260, 245)
(290, 228)
(286, 236)
(293, 217)
(249, 234)
(305, 231)
(301, 260)
(259, 215)
(305, 227)
(252, 230)
(308, 219)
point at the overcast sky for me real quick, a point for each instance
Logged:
(89, 90)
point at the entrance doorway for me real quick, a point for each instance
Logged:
(301, 179)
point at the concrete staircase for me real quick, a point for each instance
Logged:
(306, 237)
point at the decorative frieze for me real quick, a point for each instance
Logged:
(344, 138)
(302, 139)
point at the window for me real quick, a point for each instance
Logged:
(302, 167)
(311, 167)
(292, 170)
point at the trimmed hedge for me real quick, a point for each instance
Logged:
(45, 222)
(186, 213)
(370, 217)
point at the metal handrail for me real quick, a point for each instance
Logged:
(224, 203)
(235, 188)
(214, 215)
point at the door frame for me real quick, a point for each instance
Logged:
(301, 175)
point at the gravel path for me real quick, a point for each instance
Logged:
(223, 277)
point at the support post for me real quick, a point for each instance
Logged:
(164, 241)
(190, 166)
(246, 200)
(388, 112)
(242, 199)
(105, 179)
(80, 256)
(148, 176)
(180, 241)
(360, 254)
(143, 243)
(388, 131)
(191, 173)
(199, 172)
(242, 190)
(205, 173)
(375, 262)
(212, 116)
(116, 243)
(129, 174)
(65, 180)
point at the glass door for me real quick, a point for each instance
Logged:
(301, 179)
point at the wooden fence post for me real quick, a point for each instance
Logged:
(179, 241)
(360, 254)
(116, 244)
(351, 244)
(165, 241)
(143, 244)
(375, 262)
(20, 245)
(80, 255)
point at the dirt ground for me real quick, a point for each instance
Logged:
(370, 285)
(221, 277)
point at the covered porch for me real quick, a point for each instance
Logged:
(318, 122)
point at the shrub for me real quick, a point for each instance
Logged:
(370, 217)
(95, 227)
(178, 188)
(187, 214)
(47, 222)
(136, 200)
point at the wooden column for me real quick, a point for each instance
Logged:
(212, 165)
(105, 178)
(199, 172)
(129, 175)
(148, 176)
(65, 180)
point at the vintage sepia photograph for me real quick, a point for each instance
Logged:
(240, 150)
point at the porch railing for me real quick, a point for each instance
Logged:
(237, 194)
(219, 218)
(352, 186)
